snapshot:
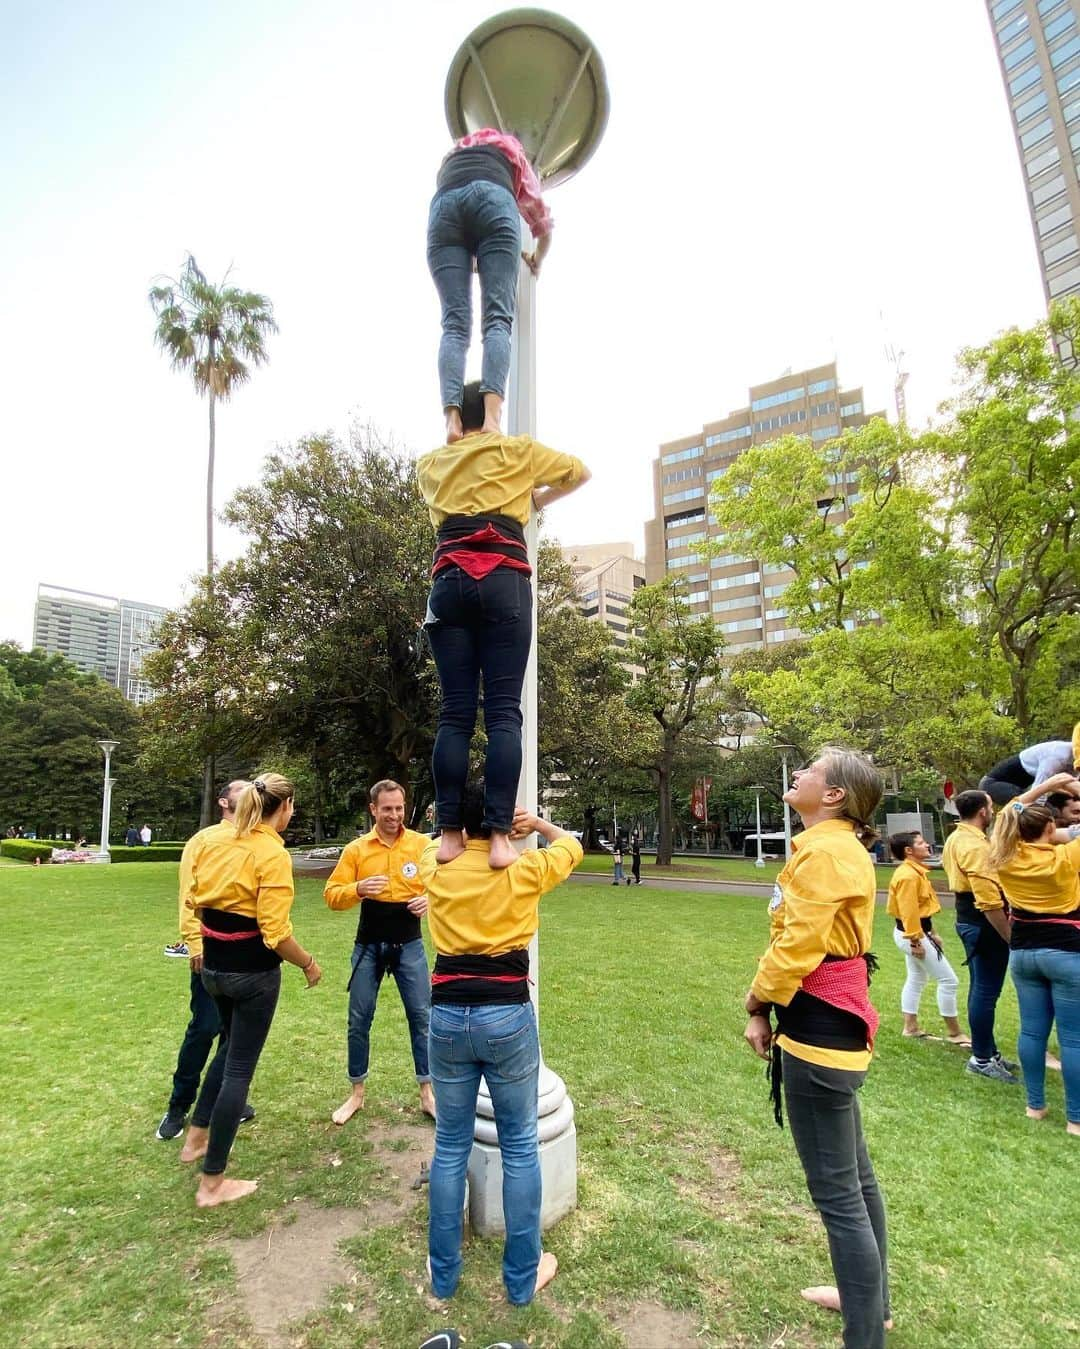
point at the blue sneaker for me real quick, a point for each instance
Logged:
(993, 1068)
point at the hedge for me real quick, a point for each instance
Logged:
(26, 849)
(163, 852)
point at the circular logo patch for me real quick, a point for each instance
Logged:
(409, 869)
(777, 898)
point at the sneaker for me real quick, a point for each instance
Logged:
(248, 1114)
(171, 1126)
(994, 1068)
(1007, 1064)
(178, 950)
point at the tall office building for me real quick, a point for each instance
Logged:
(100, 634)
(607, 574)
(744, 596)
(1038, 44)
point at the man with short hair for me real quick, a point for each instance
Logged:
(982, 924)
(205, 1024)
(1066, 808)
(482, 1024)
(380, 872)
(145, 835)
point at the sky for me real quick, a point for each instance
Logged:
(779, 185)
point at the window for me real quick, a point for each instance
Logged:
(1038, 132)
(1065, 52)
(1050, 222)
(745, 578)
(727, 560)
(677, 456)
(740, 625)
(698, 576)
(1025, 81)
(1059, 25)
(1049, 189)
(781, 419)
(771, 592)
(670, 498)
(776, 613)
(697, 597)
(1004, 7)
(684, 542)
(681, 474)
(743, 602)
(592, 595)
(850, 409)
(822, 386)
(1067, 281)
(1012, 29)
(618, 627)
(824, 432)
(1046, 5)
(1030, 107)
(723, 437)
(1071, 112)
(1012, 59)
(684, 518)
(820, 409)
(775, 399)
(1042, 162)
(714, 473)
(1068, 82)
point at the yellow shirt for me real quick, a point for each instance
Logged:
(1043, 877)
(823, 904)
(250, 876)
(912, 897)
(488, 474)
(370, 856)
(190, 931)
(966, 859)
(475, 910)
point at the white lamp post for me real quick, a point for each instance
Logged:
(536, 75)
(107, 747)
(760, 862)
(784, 751)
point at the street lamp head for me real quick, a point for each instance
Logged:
(107, 746)
(536, 75)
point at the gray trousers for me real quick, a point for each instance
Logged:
(823, 1115)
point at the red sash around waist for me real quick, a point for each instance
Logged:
(845, 984)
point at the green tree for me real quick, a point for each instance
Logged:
(679, 657)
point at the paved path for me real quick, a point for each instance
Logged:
(753, 889)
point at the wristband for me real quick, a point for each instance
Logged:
(304, 968)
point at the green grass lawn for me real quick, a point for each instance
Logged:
(719, 869)
(688, 1193)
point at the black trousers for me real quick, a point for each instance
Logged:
(246, 1004)
(202, 1030)
(823, 1115)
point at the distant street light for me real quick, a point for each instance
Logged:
(757, 811)
(106, 747)
(784, 751)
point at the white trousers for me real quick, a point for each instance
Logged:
(920, 972)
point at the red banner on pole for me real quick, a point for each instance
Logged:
(697, 802)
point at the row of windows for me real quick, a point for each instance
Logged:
(1024, 81)
(1065, 52)
(1042, 162)
(1030, 106)
(1046, 5)
(1012, 59)
(850, 409)
(1051, 188)
(824, 432)
(1067, 281)
(728, 560)
(744, 602)
(820, 409)
(1048, 223)
(1068, 82)
(740, 625)
(681, 474)
(670, 498)
(677, 456)
(723, 437)
(1038, 132)
(715, 473)
(1062, 249)
(745, 578)
(781, 419)
(771, 592)
(775, 399)
(822, 386)
(1012, 29)
(1002, 8)
(697, 597)
(776, 613)
(683, 518)
(1057, 26)
(673, 545)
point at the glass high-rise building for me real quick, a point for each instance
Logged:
(100, 634)
(1038, 44)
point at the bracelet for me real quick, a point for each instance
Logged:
(304, 968)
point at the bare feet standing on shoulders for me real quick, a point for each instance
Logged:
(500, 851)
(451, 845)
(214, 1190)
(349, 1107)
(454, 433)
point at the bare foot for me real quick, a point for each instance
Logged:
(451, 845)
(195, 1144)
(500, 851)
(545, 1271)
(916, 1034)
(225, 1191)
(1052, 1061)
(1073, 1127)
(454, 433)
(348, 1108)
(825, 1295)
(493, 405)
(959, 1039)
(427, 1099)
(1032, 1113)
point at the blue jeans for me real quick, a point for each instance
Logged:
(499, 1041)
(479, 628)
(988, 962)
(1048, 990)
(478, 220)
(408, 964)
(202, 1030)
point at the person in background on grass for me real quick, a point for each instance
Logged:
(145, 835)
(131, 838)
(616, 860)
(913, 903)
(483, 1024)
(1040, 878)
(982, 924)
(814, 976)
(635, 855)
(380, 872)
(242, 892)
(204, 1025)
(479, 620)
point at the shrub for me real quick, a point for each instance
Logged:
(26, 849)
(165, 852)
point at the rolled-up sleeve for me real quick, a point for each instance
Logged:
(552, 468)
(550, 866)
(275, 898)
(905, 895)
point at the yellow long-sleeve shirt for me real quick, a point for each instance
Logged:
(190, 931)
(475, 910)
(250, 876)
(370, 856)
(823, 904)
(912, 897)
(966, 859)
(1042, 877)
(489, 474)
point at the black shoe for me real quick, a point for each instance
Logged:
(444, 1339)
(171, 1126)
(248, 1114)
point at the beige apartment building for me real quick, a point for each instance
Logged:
(607, 575)
(1038, 45)
(744, 596)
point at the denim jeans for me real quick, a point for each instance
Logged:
(988, 962)
(479, 629)
(823, 1115)
(202, 1030)
(408, 964)
(499, 1041)
(246, 1004)
(478, 220)
(1048, 990)
(619, 877)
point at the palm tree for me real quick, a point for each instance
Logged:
(218, 333)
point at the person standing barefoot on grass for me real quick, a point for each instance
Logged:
(912, 902)
(814, 976)
(242, 891)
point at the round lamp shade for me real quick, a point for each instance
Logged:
(538, 76)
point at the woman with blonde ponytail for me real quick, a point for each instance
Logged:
(815, 977)
(1041, 882)
(242, 891)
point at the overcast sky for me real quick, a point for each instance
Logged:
(780, 184)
